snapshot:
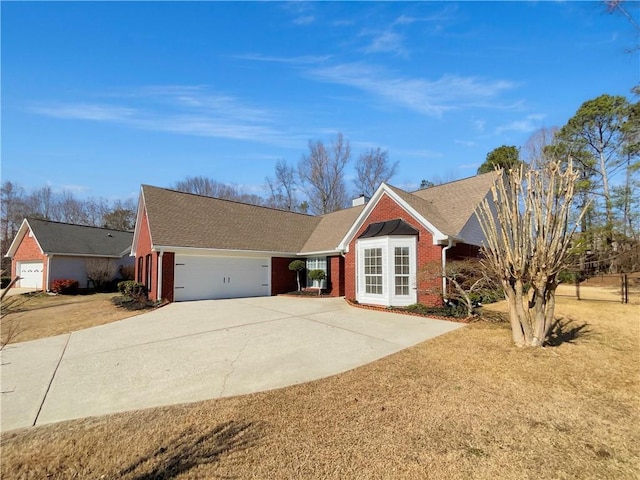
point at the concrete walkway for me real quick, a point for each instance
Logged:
(18, 291)
(192, 351)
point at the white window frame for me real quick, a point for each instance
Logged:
(388, 244)
(317, 263)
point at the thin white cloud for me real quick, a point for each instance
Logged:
(342, 23)
(528, 124)
(304, 20)
(429, 97)
(466, 143)
(301, 60)
(479, 124)
(387, 42)
(421, 153)
(71, 189)
(303, 12)
(83, 111)
(178, 109)
(468, 166)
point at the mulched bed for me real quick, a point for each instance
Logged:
(413, 314)
(306, 294)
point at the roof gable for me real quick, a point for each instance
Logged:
(418, 208)
(56, 238)
(456, 202)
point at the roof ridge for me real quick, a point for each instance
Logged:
(455, 181)
(172, 190)
(30, 219)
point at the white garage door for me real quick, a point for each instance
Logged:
(200, 278)
(30, 274)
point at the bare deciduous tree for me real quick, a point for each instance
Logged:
(212, 188)
(322, 175)
(283, 187)
(372, 169)
(535, 151)
(121, 217)
(12, 203)
(528, 236)
(100, 271)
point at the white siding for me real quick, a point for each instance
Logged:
(75, 268)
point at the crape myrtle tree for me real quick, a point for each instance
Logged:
(467, 282)
(527, 241)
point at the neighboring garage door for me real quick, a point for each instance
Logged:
(30, 274)
(200, 278)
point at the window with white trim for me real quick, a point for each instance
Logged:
(317, 263)
(386, 270)
(401, 260)
(373, 270)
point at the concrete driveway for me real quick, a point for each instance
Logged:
(192, 351)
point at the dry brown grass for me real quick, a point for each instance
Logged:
(464, 405)
(32, 316)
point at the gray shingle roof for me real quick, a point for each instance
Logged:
(455, 202)
(68, 239)
(178, 219)
(427, 209)
(331, 229)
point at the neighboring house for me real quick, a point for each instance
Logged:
(191, 247)
(44, 251)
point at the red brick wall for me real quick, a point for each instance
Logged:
(28, 250)
(388, 209)
(336, 276)
(143, 248)
(462, 251)
(283, 280)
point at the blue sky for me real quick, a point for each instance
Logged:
(101, 97)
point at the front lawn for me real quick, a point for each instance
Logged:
(464, 405)
(36, 315)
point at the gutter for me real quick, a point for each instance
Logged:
(444, 268)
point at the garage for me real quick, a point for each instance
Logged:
(206, 277)
(30, 274)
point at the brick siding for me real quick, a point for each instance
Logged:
(283, 280)
(29, 251)
(426, 251)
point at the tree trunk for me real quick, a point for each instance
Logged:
(537, 304)
(517, 331)
(606, 193)
(523, 318)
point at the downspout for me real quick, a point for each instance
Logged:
(159, 286)
(444, 269)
